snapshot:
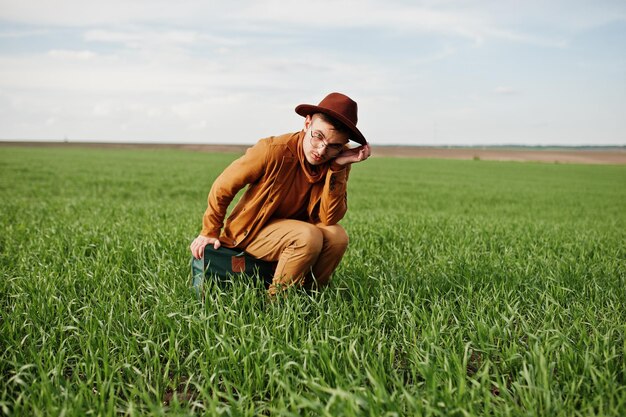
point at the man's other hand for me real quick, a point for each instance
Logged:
(353, 155)
(199, 243)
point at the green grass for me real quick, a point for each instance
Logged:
(470, 288)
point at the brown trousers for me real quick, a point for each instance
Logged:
(307, 254)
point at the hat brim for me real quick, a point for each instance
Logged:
(309, 109)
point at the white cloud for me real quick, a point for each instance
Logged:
(138, 38)
(69, 54)
(85, 13)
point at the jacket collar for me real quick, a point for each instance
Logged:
(292, 144)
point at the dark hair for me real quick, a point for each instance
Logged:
(336, 124)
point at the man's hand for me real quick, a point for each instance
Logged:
(199, 243)
(353, 155)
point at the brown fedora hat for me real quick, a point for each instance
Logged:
(339, 106)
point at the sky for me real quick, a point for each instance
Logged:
(457, 72)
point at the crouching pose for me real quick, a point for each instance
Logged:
(295, 198)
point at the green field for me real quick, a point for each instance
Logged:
(470, 288)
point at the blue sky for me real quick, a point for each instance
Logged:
(423, 72)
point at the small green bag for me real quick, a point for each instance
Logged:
(225, 264)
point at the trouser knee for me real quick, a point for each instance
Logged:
(336, 237)
(309, 238)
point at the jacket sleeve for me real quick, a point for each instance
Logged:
(334, 202)
(245, 170)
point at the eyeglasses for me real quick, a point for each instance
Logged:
(317, 140)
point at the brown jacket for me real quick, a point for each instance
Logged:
(267, 167)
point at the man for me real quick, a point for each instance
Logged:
(296, 195)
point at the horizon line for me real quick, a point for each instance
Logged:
(172, 143)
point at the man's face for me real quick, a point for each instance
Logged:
(321, 141)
